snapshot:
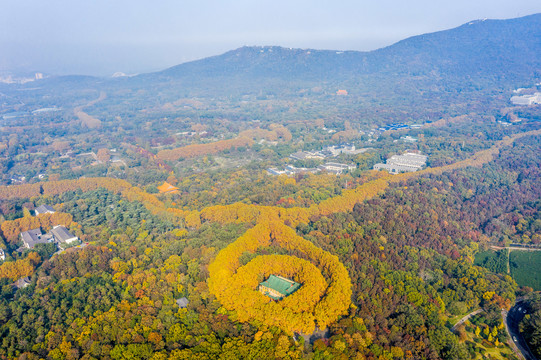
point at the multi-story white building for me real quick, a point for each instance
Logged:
(527, 99)
(407, 162)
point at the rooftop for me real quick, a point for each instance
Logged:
(281, 285)
(62, 234)
(167, 188)
(22, 282)
(182, 302)
(32, 237)
(408, 162)
(42, 209)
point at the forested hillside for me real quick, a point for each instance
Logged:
(184, 190)
(408, 251)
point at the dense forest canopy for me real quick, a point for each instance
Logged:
(418, 265)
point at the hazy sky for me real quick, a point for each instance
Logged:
(101, 37)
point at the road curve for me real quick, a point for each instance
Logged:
(511, 320)
(461, 321)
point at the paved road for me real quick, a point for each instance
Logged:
(461, 321)
(511, 320)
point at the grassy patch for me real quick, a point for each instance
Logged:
(480, 348)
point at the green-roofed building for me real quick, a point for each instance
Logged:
(277, 287)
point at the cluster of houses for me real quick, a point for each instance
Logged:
(58, 234)
(192, 133)
(330, 167)
(329, 151)
(17, 179)
(407, 162)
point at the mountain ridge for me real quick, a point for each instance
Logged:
(443, 49)
(480, 54)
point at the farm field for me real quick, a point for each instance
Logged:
(526, 268)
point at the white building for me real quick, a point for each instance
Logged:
(2, 255)
(302, 155)
(343, 149)
(61, 234)
(407, 162)
(527, 99)
(292, 170)
(409, 139)
(337, 168)
(275, 171)
(183, 303)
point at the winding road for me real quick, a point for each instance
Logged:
(461, 321)
(511, 320)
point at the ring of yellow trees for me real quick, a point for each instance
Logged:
(299, 306)
(325, 293)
